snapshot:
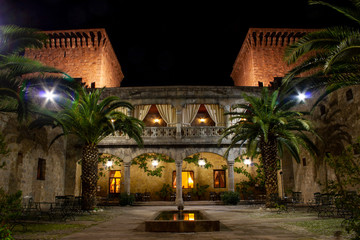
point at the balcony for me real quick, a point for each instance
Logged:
(170, 136)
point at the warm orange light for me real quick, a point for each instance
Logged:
(156, 120)
(202, 120)
(191, 216)
(191, 182)
(115, 183)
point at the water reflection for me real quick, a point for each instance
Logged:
(176, 216)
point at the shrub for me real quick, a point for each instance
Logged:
(230, 198)
(10, 209)
(165, 191)
(126, 199)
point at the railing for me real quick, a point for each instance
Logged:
(208, 131)
(160, 132)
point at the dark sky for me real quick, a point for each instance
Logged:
(177, 43)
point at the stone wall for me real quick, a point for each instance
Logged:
(21, 169)
(83, 53)
(141, 182)
(261, 57)
(336, 119)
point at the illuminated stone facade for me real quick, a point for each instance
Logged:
(261, 57)
(85, 54)
(88, 55)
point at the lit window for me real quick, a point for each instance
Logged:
(114, 179)
(41, 169)
(219, 179)
(187, 179)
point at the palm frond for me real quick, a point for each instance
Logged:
(351, 13)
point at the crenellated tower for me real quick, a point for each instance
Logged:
(84, 54)
(261, 57)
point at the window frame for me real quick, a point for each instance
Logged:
(192, 175)
(115, 178)
(41, 169)
(219, 170)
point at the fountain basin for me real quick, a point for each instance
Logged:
(182, 221)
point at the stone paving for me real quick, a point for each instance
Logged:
(237, 222)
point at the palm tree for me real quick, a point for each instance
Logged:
(268, 124)
(91, 120)
(332, 55)
(19, 75)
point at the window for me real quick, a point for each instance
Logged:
(304, 161)
(349, 95)
(41, 169)
(114, 179)
(187, 179)
(219, 179)
(322, 110)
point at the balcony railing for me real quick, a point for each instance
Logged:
(186, 132)
(171, 135)
(160, 132)
(208, 131)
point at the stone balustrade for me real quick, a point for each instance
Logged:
(169, 136)
(155, 132)
(208, 131)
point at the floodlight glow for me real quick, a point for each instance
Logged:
(48, 95)
(301, 96)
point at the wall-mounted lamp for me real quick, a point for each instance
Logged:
(202, 120)
(247, 161)
(155, 163)
(156, 120)
(109, 164)
(201, 162)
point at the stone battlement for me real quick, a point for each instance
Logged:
(261, 57)
(85, 54)
(80, 38)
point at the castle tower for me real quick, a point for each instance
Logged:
(261, 57)
(84, 54)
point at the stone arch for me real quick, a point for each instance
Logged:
(209, 176)
(143, 181)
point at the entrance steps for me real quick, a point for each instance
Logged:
(172, 203)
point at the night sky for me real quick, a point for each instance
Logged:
(177, 43)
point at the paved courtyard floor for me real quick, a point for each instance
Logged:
(237, 222)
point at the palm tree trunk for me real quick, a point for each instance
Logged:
(269, 158)
(89, 177)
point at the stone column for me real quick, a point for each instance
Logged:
(127, 176)
(227, 117)
(231, 176)
(178, 121)
(179, 200)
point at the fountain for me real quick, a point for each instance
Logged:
(182, 221)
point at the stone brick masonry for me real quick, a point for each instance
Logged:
(83, 53)
(261, 57)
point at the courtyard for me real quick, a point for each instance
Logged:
(237, 222)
